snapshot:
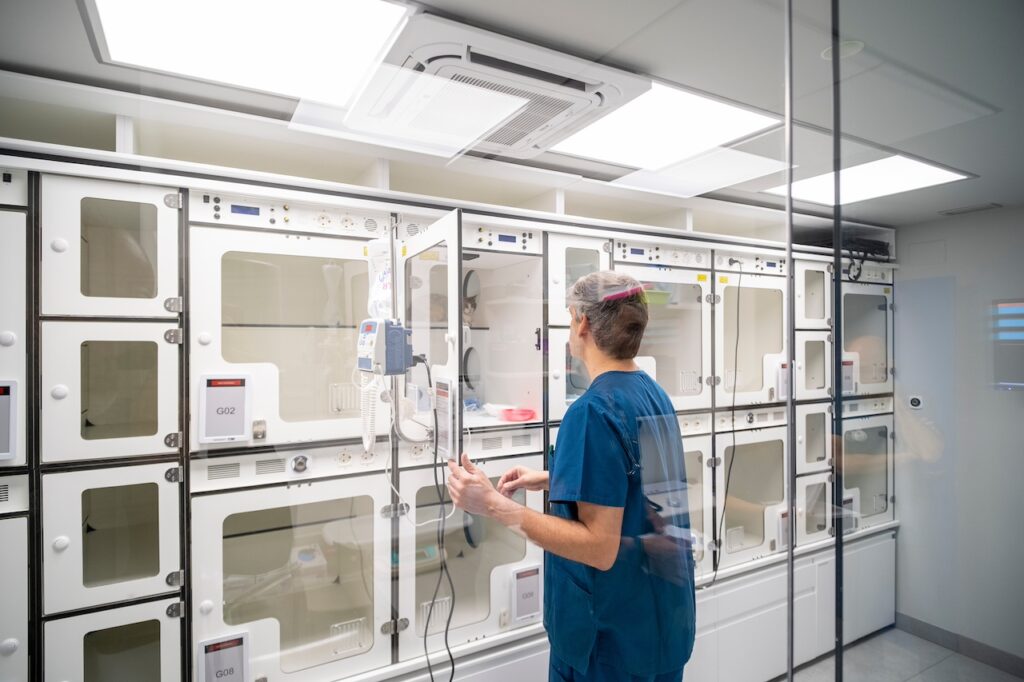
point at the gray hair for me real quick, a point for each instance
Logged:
(616, 306)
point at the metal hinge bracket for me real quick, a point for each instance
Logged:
(176, 579)
(393, 511)
(174, 200)
(175, 304)
(714, 461)
(173, 440)
(175, 336)
(176, 610)
(393, 627)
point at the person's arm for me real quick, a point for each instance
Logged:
(521, 477)
(593, 540)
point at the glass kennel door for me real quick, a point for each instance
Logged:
(868, 469)
(12, 339)
(109, 389)
(141, 642)
(750, 346)
(813, 508)
(108, 248)
(813, 438)
(14, 598)
(813, 373)
(751, 495)
(676, 349)
(304, 571)
(567, 376)
(813, 295)
(569, 258)
(109, 535)
(482, 556)
(281, 312)
(502, 357)
(867, 339)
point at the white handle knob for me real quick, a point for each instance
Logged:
(9, 646)
(59, 245)
(206, 607)
(205, 338)
(59, 392)
(555, 280)
(8, 338)
(61, 543)
(800, 440)
(556, 375)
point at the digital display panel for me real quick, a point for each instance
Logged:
(245, 210)
(507, 238)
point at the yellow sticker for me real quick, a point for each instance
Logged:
(888, 290)
(405, 250)
(702, 278)
(366, 252)
(723, 280)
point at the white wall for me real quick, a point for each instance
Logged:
(960, 461)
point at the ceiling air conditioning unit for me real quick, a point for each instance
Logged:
(563, 94)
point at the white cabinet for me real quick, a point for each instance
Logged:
(867, 338)
(750, 339)
(140, 642)
(108, 248)
(13, 329)
(569, 258)
(109, 389)
(676, 347)
(109, 535)
(280, 313)
(304, 571)
(14, 598)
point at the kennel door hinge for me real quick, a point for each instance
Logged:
(393, 627)
(176, 336)
(174, 200)
(173, 440)
(393, 511)
(175, 304)
(174, 475)
(176, 579)
(713, 299)
(176, 610)
(714, 462)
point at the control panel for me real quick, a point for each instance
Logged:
(750, 263)
(661, 254)
(209, 207)
(857, 271)
(695, 424)
(742, 420)
(509, 239)
(866, 406)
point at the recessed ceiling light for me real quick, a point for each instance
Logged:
(661, 127)
(847, 48)
(314, 49)
(891, 175)
(707, 172)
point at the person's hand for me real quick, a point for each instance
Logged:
(523, 478)
(470, 488)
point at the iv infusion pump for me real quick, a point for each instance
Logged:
(384, 347)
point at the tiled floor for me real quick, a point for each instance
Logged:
(896, 656)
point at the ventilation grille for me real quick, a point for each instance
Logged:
(539, 111)
(5, 492)
(270, 466)
(492, 443)
(412, 229)
(370, 225)
(349, 636)
(439, 616)
(521, 440)
(220, 471)
(970, 209)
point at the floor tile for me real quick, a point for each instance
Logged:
(959, 668)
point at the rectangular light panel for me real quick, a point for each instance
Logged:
(891, 175)
(661, 127)
(314, 49)
(723, 167)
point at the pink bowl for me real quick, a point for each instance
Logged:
(518, 415)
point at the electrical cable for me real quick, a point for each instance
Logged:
(443, 572)
(732, 414)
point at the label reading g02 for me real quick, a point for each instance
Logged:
(223, 409)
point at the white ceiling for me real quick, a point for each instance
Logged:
(937, 78)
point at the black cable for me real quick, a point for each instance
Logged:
(443, 572)
(732, 415)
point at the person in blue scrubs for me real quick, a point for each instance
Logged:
(618, 576)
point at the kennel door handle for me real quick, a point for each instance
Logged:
(9, 646)
(61, 543)
(59, 392)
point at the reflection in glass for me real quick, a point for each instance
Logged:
(119, 389)
(760, 334)
(119, 249)
(815, 519)
(426, 277)
(120, 533)
(814, 294)
(672, 339)
(755, 483)
(815, 436)
(126, 652)
(865, 467)
(577, 380)
(578, 263)
(300, 314)
(474, 547)
(310, 568)
(815, 360)
(865, 332)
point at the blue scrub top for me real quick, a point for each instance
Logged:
(618, 442)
